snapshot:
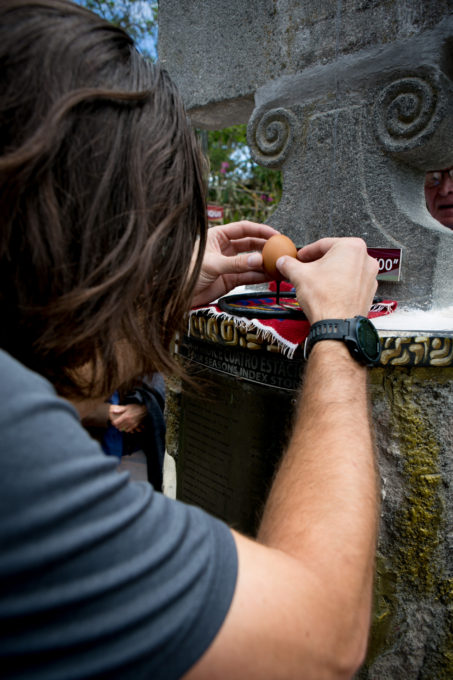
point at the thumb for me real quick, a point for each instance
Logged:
(117, 410)
(254, 260)
(288, 267)
(238, 264)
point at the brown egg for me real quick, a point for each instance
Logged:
(274, 248)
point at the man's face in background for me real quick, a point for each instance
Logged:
(439, 195)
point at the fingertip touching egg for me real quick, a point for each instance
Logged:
(274, 248)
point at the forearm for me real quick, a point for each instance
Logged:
(322, 508)
(303, 595)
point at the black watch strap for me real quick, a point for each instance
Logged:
(358, 334)
(327, 329)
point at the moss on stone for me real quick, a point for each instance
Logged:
(421, 520)
(414, 568)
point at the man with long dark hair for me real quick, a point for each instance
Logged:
(104, 248)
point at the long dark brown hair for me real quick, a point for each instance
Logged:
(101, 200)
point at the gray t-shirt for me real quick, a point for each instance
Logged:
(100, 577)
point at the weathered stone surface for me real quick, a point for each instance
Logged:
(412, 632)
(354, 141)
(224, 50)
(353, 100)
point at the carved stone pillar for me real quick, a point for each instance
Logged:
(354, 139)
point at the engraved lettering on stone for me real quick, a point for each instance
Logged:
(405, 111)
(271, 135)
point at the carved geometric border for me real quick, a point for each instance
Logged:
(398, 349)
(226, 332)
(417, 350)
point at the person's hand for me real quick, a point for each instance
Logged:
(335, 278)
(228, 262)
(128, 417)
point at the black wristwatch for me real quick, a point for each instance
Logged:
(359, 335)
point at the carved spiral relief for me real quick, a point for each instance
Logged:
(270, 136)
(406, 112)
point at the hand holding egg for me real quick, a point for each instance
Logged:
(274, 248)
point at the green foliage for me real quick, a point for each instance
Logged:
(244, 189)
(136, 17)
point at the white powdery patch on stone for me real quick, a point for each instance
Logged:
(417, 320)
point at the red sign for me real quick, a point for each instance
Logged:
(389, 263)
(215, 212)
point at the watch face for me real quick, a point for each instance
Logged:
(368, 339)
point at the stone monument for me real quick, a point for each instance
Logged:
(353, 100)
